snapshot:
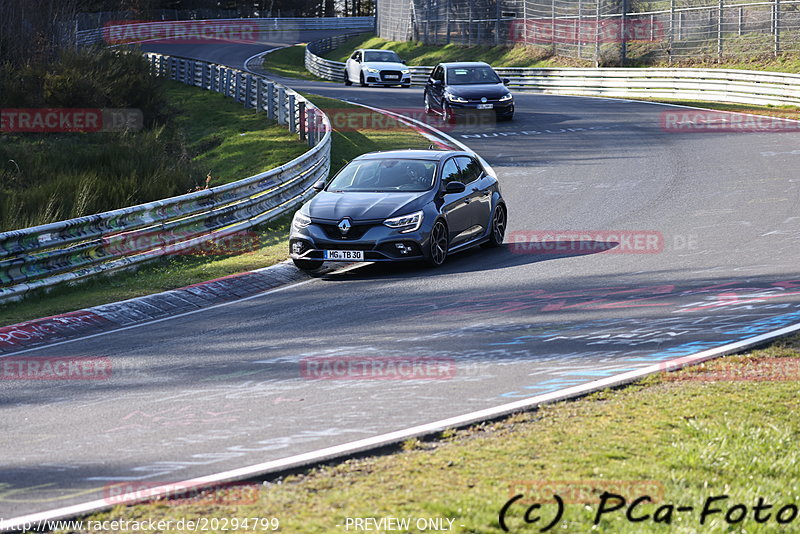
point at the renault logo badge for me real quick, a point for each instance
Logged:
(344, 226)
(483, 99)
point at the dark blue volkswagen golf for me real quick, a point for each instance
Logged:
(400, 205)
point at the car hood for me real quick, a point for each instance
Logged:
(492, 91)
(363, 206)
(384, 65)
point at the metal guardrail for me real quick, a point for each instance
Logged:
(717, 85)
(259, 27)
(51, 254)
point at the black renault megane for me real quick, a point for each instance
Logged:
(400, 205)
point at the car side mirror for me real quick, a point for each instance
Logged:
(454, 187)
(506, 81)
(436, 83)
(319, 186)
(403, 61)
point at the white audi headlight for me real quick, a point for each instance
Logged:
(506, 98)
(300, 221)
(454, 98)
(408, 223)
(373, 70)
(405, 71)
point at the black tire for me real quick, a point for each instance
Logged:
(497, 231)
(406, 85)
(308, 265)
(362, 82)
(448, 116)
(438, 245)
(347, 81)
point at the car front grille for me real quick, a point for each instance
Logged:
(356, 231)
(396, 73)
(347, 246)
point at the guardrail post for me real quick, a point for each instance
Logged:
(301, 119)
(281, 105)
(270, 100)
(204, 76)
(291, 109)
(259, 94)
(248, 89)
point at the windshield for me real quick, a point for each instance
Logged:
(387, 56)
(471, 75)
(385, 175)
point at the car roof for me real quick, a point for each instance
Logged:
(375, 50)
(432, 155)
(465, 64)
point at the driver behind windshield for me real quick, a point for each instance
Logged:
(385, 176)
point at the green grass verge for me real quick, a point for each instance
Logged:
(416, 53)
(727, 427)
(50, 177)
(180, 271)
(289, 62)
(227, 140)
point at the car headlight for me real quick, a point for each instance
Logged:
(373, 70)
(454, 98)
(506, 98)
(405, 71)
(408, 223)
(300, 221)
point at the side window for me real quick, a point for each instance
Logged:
(438, 74)
(357, 56)
(470, 169)
(450, 172)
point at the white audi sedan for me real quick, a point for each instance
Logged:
(376, 67)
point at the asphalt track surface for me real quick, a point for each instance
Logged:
(224, 388)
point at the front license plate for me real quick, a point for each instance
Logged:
(392, 77)
(344, 255)
(485, 106)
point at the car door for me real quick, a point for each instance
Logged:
(479, 194)
(354, 66)
(435, 91)
(455, 206)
